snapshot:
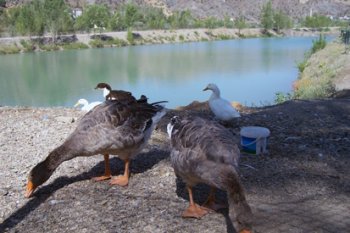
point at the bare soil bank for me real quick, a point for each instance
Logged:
(182, 35)
(302, 185)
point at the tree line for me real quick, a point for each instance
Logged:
(38, 17)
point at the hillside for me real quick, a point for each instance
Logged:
(231, 8)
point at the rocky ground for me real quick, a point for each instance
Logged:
(301, 185)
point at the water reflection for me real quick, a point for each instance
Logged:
(250, 71)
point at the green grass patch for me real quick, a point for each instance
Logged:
(224, 37)
(319, 86)
(75, 45)
(28, 46)
(119, 42)
(318, 44)
(9, 49)
(302, 65)
(280, 97)
(96, 43)
(49, 47)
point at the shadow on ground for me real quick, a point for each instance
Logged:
(140, 164)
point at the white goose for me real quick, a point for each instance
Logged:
(222, 109)
(86, 106)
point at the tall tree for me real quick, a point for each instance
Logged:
(267, 14)
(10, 17)
(30, 20)
(57, 17)
(132, 14)
(240, 23)
(154, 18)
(93, 16)
(281, 21)
(25, 20)
(181, 19)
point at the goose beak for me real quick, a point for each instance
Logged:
(205, 89)
(30, 189)
(76, 105)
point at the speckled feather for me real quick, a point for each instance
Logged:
(112, 127)
(203, 151)
(208, 139)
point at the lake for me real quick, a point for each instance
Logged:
(250, 71)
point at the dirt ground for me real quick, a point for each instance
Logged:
(301, 185)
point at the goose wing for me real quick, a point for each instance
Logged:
(121, 96)
(207, 140)
(223, 109)
(112, 127)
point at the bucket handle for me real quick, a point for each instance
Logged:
(257, 139)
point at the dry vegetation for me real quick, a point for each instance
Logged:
(326, 72)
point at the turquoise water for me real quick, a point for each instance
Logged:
(249, 71)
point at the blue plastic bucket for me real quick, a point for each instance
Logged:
(254, 139)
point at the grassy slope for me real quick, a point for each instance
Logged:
(323, 72)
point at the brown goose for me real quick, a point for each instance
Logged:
(119, 95)
(112, 127)
(204, 151)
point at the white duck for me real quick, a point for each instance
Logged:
(86, 106)
(222, 109)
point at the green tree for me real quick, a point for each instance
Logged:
(228, 23)
(317, 21)
(197, 23)
(130, 37)
(281, 21)
(318, 44)
(10, 17)
(37, 8)
(267, 14)
(117, 22)
(240, 23)
(132, 14)
(185, 19)
(93, 16)
(25, 20)
(2, 20)
(181, 19)
(210, 22)
(154, 18)
(57, 17)
(30, 20)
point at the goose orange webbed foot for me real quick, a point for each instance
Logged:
(120, 180)
(101, 178)
(195, 211)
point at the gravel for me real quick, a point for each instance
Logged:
(301, 185)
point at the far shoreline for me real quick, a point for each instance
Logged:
(10, 45)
